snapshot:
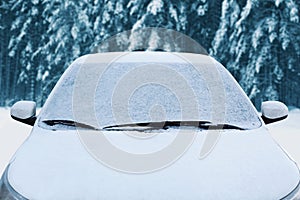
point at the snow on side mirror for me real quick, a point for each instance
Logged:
(273, 111)
(24, 111)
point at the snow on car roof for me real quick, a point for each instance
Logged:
(144, 56)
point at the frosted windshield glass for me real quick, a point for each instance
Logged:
(123, 94)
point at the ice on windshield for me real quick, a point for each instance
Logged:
(144, 92)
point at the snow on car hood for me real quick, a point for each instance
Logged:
(243, 165)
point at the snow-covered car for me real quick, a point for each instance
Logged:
(143, 103)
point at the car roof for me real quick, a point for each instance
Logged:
(145, 57)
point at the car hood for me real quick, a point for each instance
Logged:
(242, 165)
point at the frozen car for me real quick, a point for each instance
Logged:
(141, 102)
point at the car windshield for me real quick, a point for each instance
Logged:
(124, 95)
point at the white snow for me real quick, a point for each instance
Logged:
(13, 134)
(173, 13)
(179, 78)
(23, 109)
(274, 109)
(119, 8)
(154, 40)
(287, 134)
(133, 6)
(284, 36)
(277, 2)
(223, 27)
(74, 32)
(45, 75)
(258, 33)
(155, 6)
(293, 11)
(202, 9)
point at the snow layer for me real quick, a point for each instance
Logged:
(274, 109)
(287, 134)
(13, 134)
(204, 92)
(23, 109)
(260, 170)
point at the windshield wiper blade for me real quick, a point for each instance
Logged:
(135, 126)
(69, 123)
(155, 125)
(146, 125)
(211, 126)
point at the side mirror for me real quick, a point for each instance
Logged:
(24, 111)
(273, 111)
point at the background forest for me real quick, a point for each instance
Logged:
(257, 40)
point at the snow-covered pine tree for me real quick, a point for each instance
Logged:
(69, 29)
(254, 42)
(203, 21)
(112, 17)
(69, 34)
(6, 62)
(190, 18)
(24, 41)
(45, 36)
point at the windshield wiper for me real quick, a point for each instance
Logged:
(211, 126)
(145, 125)
(69, 123)
(155, 125)
(167, 124)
